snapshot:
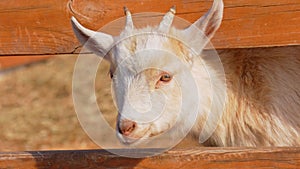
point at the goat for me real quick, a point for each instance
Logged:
(262, 100)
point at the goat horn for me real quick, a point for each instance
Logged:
(129, 23)
(167, 20)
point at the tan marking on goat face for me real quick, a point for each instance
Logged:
(179, 49)
(151, 75)
(131, 44)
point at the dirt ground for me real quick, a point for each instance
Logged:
(36, 106)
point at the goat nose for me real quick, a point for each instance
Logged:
(126, 127)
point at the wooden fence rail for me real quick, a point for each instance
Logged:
(35, 28)
(43, 27)
(246, 158)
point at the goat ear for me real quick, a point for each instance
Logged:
(98, 42)
(209, 23)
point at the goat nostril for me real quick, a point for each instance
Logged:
(127, 127)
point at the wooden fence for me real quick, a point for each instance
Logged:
(34, 28)
(39, 29)
(225, 158)
(43, 27)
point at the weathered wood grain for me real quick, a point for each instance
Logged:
(43, 27)
(35, 27)
(246, 158)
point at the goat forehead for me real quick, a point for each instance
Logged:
(141, 41)
(152, 61)
(151, 42)
(145, 49)
(129, 46)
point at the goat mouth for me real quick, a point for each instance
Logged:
(132, 141)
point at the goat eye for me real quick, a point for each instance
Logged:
(165, 77)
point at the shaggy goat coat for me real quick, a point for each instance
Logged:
(263, 88)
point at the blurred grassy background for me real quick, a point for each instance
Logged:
(36, 108)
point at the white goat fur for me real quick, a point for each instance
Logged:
(263, 93)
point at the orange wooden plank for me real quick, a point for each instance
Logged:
(35, 27)
(43, 27)
(246, 158)
(246, 23)
(13, 61)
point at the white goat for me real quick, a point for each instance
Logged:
(262, 104)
